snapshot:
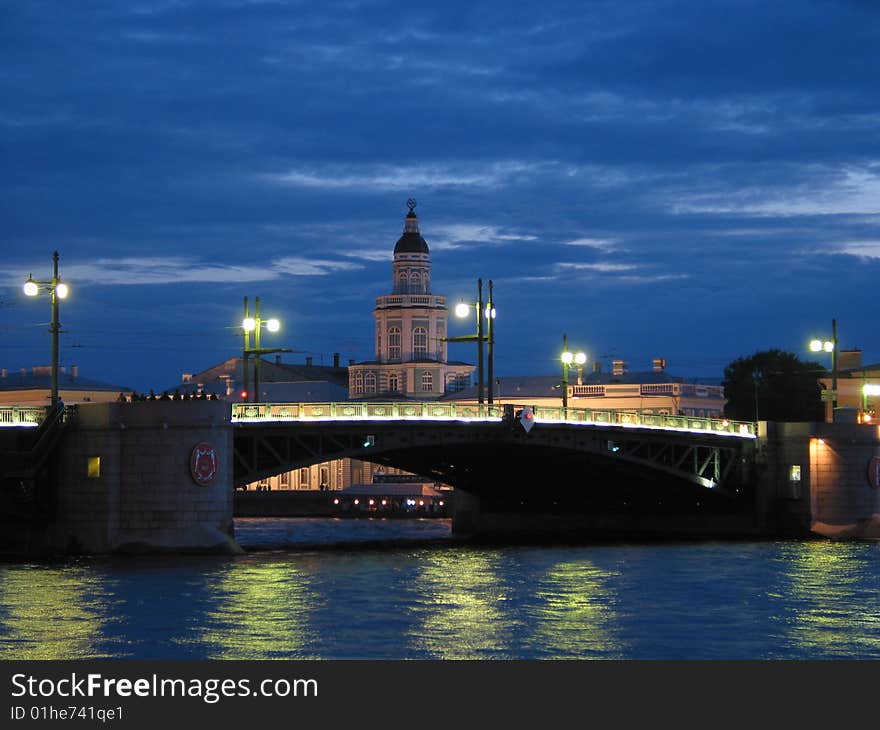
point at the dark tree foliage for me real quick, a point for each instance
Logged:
(773, 386)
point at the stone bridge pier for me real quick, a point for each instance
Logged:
(147, 476)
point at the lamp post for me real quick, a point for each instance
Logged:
(57, 290)
(579, 358)
(254, 323)
(829, 346)
(485, 334)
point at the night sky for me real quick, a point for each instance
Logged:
(693, 180)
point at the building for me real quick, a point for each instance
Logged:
(858, 387)
(647, 391)
(34, 387)
(279, 382)
(410, 334)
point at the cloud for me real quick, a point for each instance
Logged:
(179, 270)
(602, 267)
(809, 191)
(862, 249)
(603, 244)
(453, 236)
(403, 178)
(298, 266)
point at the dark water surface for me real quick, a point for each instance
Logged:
(405, 589)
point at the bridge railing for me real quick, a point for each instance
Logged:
(445, 411)
(645, 420)
(30, 416)
(356, 411)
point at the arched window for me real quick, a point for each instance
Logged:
(394, 382)
(420, 342)
(401, 282)
(415, 282)
(427, 381)
(370, 383)
(394, 343)
(358, 383)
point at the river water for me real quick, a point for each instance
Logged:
(399, 589)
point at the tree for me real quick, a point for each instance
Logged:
(773, 386)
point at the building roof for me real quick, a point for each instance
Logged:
(549, 386)
(279, 382)
(40, 378)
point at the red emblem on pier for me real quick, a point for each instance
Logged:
(203, 463)
(874, 472)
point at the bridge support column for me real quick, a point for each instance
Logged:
(465, 512)
(132, 480)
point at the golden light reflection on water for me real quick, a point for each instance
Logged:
(263, 610)
(460, 608)
(575, 614)
(829, 611)
(50, 613)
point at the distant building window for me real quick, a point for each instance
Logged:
(93, 467)
(304, 477)
(420, 342)
(427, 381)
(394, 382)
(370, 383)
(394, 343)
(285, 479)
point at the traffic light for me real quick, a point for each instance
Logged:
(526, 417)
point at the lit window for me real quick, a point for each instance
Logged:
(93, 468)
(794, 474)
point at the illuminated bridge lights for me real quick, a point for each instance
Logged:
(473, 413)
(22, 416)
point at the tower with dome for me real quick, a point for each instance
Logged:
(410, 334)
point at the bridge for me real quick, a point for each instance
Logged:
(487, 450)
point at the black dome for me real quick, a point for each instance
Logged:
(411, 243)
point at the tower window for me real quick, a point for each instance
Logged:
(394, 343)
(420, 342)
(415, 282)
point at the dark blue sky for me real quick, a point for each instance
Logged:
(695, 180)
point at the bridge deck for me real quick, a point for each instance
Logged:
(472, 412)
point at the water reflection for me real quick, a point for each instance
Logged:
(832, 608)
(52, 613)
(459, 608)
(261, 610)
(574, 615)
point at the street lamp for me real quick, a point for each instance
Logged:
(829, 346)
(567, 357)
(58, 290)
(254, 323)
(485, 334)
